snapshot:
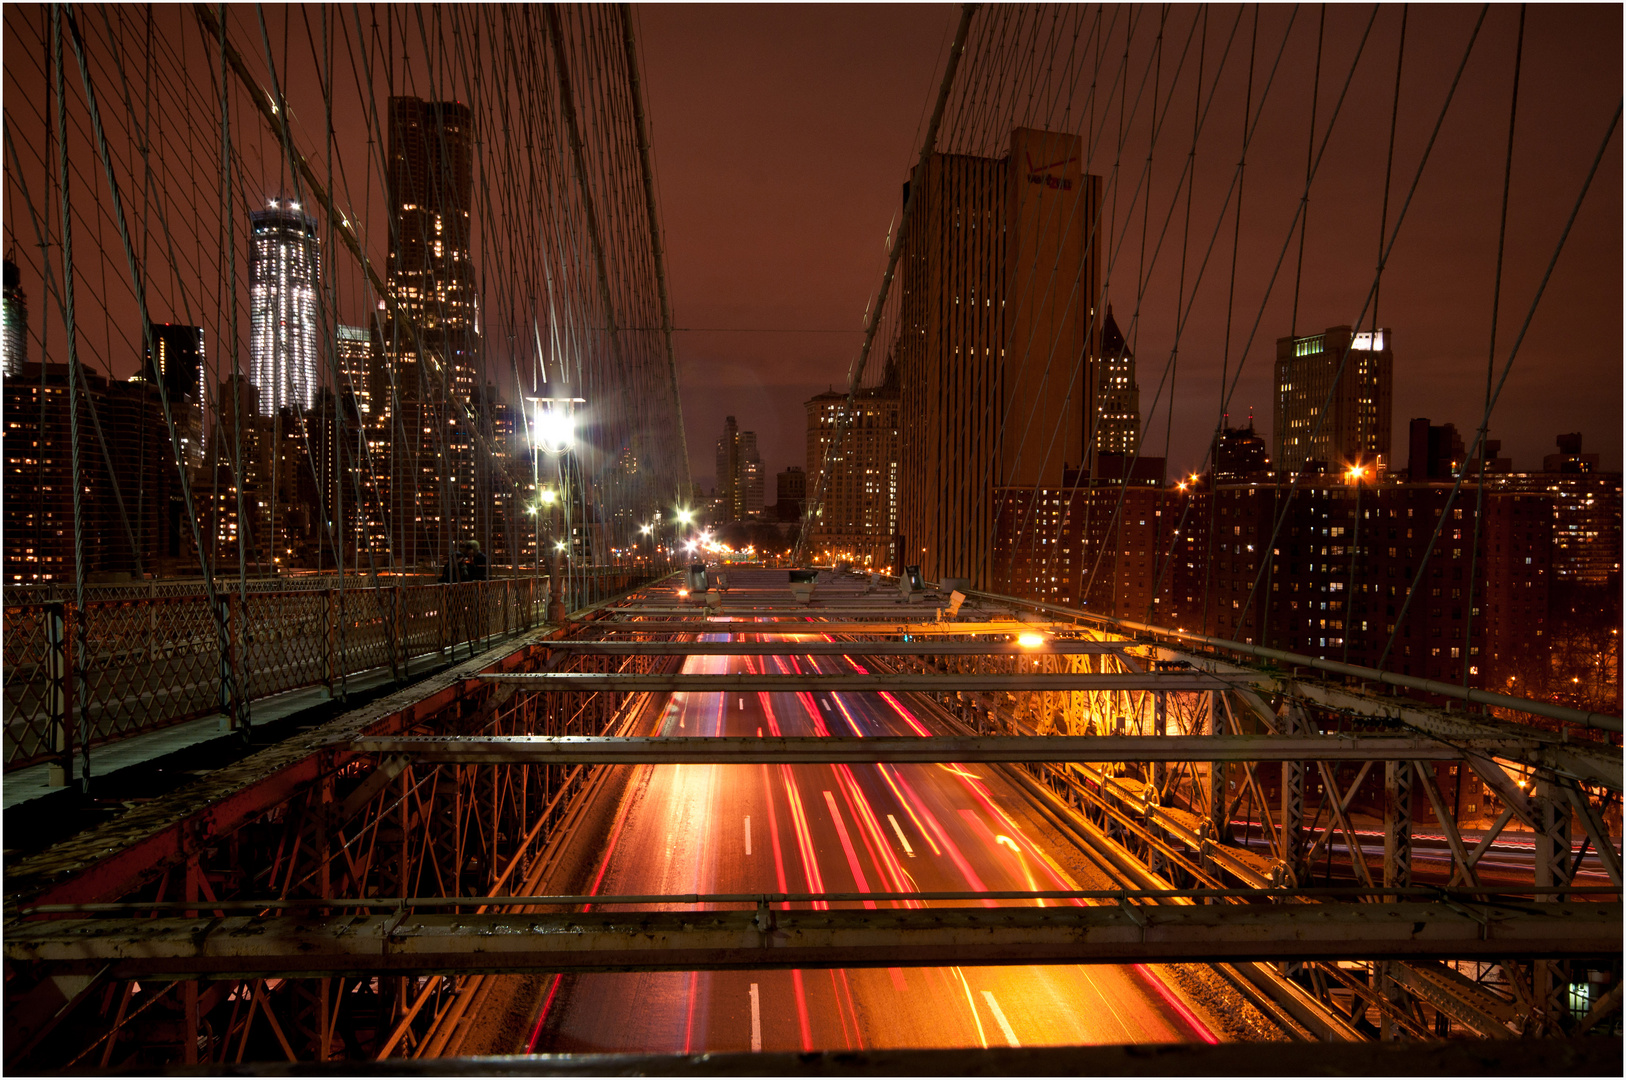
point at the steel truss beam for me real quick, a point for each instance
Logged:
(1588, 763)
(1053, 647)
(823, 626)
(309, 947)
(706, 750)
(1458, 1057)
(778, 684)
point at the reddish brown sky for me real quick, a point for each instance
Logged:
(783, 134)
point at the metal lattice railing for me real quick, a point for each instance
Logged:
(134, 665)
(27, 683)
(145, 663)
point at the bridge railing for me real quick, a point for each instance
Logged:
(135, 665)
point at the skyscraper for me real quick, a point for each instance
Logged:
(176, 359)
(857, 520)
(739, 474)
(1356, 425)
(996, 348)
(429, 345)
(431, 277)
(15, 321)
(284, 283)
(1117, 396)
(353, 346)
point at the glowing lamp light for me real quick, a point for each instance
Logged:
(1030, 641)
(555, 431)
(549, 495)
(560, 546)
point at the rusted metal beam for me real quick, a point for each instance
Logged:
(1598, 1056)
(591, 681)
(705, 750)
(398, 944)
(817, 626)
(990, 647)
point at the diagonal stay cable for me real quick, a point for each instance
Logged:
(927, 146)
(1400, 220)
(1501, 381)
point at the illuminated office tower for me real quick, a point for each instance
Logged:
(1355, 427)
(284, 279)
(353, 346)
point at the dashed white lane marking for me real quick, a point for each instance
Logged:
(999, 1018)
(907, 850)
(748, 836)
(756, 1021)
(742, 704)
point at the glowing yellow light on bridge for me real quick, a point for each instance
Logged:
(1030, 641)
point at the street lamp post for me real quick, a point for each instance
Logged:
(553, 430)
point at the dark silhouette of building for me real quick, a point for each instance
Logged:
(790, 494)
(176, 357)
(1437, 452)
(39, 533)
(739, 474)
(1240, 454)
(1569, 458)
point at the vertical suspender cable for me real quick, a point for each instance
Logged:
(635, 87)
(73, 379)
(1490, 360)
(230, 692)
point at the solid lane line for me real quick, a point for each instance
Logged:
(756, 1020)
(999, 1017)
(748, 834)
(907, 850)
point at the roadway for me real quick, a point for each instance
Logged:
(835, 828)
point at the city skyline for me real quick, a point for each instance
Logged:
(1050, 717)
(834, 246)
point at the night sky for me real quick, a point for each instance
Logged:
(782, 137)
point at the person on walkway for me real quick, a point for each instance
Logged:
(472, 566)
